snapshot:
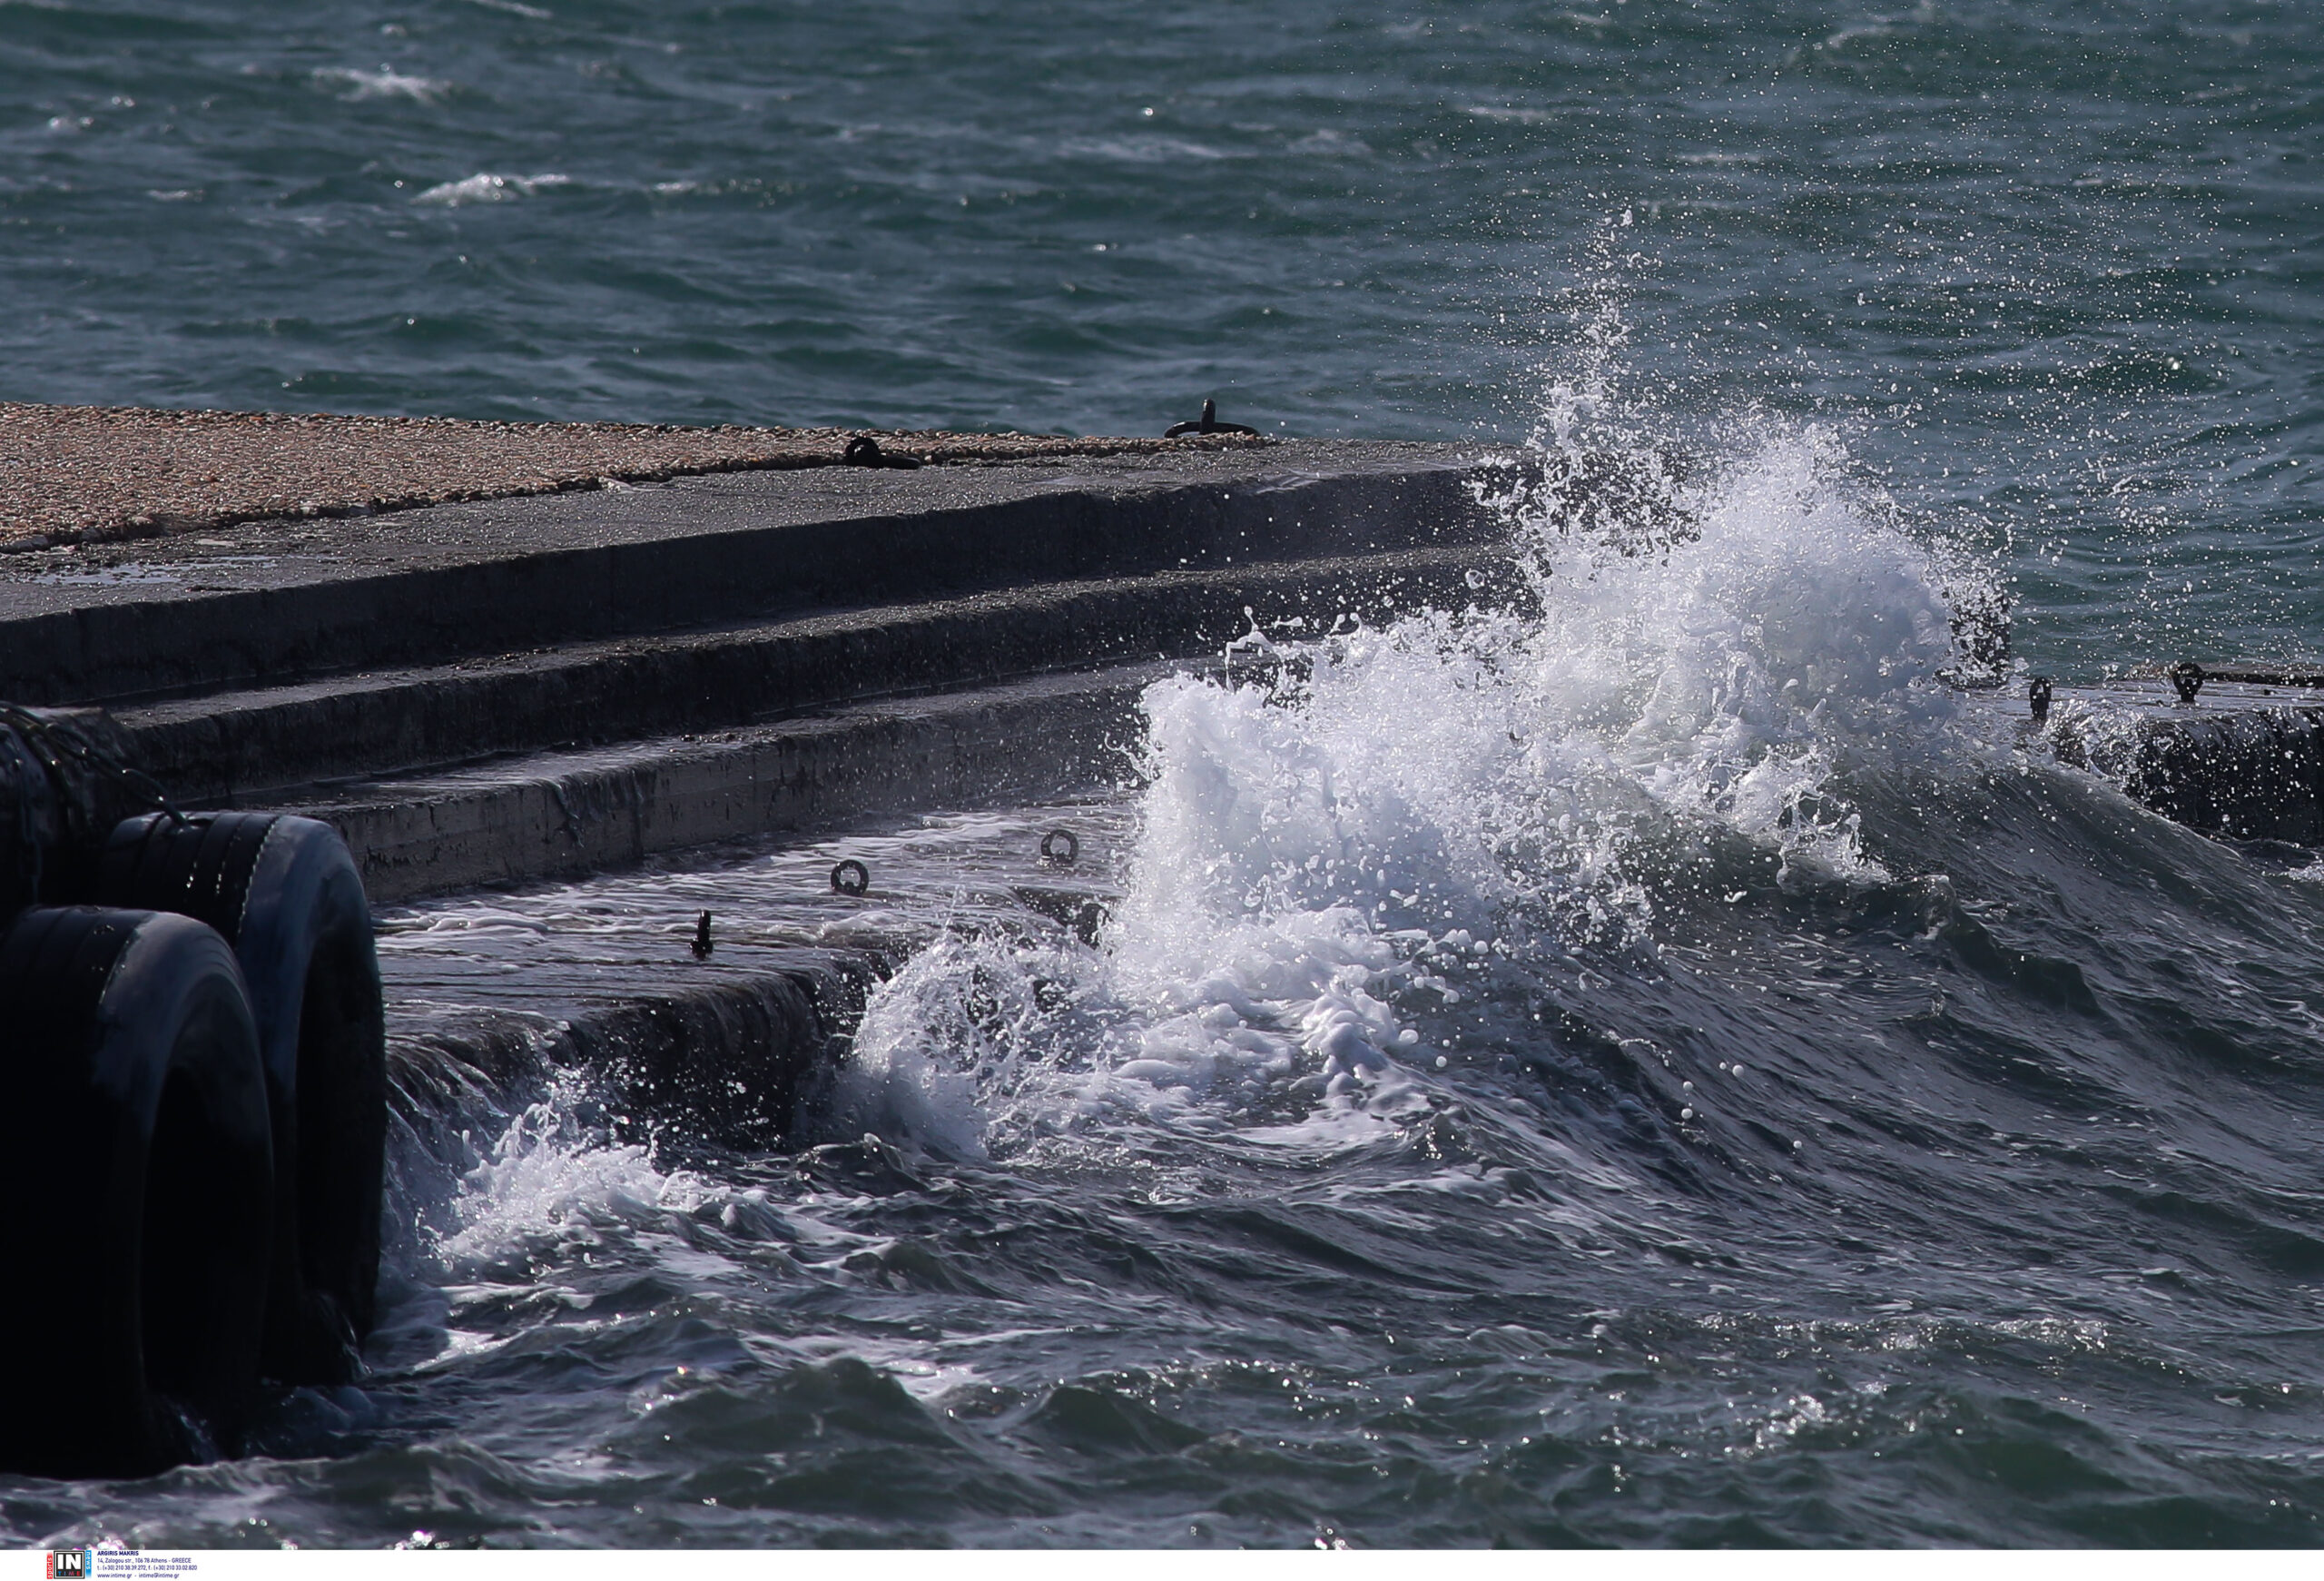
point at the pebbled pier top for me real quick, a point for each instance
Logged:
(87, 473)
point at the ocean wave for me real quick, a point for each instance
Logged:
(487, 188)
(1388, 809)
(384, 84)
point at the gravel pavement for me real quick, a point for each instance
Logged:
(86, 473)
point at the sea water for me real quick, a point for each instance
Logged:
(1646, 1061)
(2048, 269)
(1652, 1063)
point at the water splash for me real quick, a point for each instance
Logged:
(554, 1177)
(1514, 780)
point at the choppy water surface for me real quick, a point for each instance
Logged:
(1656, 1067)
(1651, 1066)
(2050, 269)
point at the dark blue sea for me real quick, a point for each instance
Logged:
(1655, 1067)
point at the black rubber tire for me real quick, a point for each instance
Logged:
(139, 1173)
(284, 892)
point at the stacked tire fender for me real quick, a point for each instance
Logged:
(192, 1063)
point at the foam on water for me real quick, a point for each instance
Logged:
(550, 1176)
(486, 187)
(384, 84)
(1463, 784)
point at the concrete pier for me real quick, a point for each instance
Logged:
(543, 686)
(537, 687)
(2243, 760)
(585, 643)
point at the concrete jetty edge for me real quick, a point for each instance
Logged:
(270, 603)
(535, 689)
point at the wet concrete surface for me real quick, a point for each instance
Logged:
(256, 745)
(497, 989)
(507, 821)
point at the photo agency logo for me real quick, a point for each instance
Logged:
(68, 1565)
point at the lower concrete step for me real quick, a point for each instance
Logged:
(2243, 761)
(491, 995)
(253, 746)
(560, 813)
(742, 1061)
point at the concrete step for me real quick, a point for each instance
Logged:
(491, 993)
(270, 603)
(741, 1058)
(260, 745)
(547, 815)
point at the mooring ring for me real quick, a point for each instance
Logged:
(2188, 677)
(1061, 847)
(851, 877)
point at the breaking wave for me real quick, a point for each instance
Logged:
(1327, 827)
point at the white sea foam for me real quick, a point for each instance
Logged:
(484, 187)
(551, 1178)
(1141, 150)
(384, 84)
(1315, 847)
(1330, 144)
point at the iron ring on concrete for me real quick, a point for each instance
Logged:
(1061, 847)
(851, 877)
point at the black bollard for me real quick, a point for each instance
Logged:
(863, 450)
(702, 944)
(1207, 424)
